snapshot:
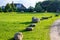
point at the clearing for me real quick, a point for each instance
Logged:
(12, 22)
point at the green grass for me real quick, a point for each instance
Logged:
(13, 22)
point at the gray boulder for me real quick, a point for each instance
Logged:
(29, 28)
(32, 25)
(35, 20)
(18, 36)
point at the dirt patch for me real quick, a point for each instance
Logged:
(55, 30)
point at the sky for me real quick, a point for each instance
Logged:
(26, 3)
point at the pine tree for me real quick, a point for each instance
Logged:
(8, 7)
(13, 7)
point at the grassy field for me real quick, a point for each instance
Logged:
(13, 22)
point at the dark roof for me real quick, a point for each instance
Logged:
(18, 4)
(3, 7)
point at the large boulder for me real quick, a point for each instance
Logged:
(18, 36)
(35, 20)
(29, 28)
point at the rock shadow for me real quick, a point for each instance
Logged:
(11, 39)
(23, 31)
(26, 23)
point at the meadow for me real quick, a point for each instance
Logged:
(12, 22)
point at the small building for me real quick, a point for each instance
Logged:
(20, 6)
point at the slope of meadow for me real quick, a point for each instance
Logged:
(13, 22)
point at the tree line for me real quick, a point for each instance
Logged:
(45, 6)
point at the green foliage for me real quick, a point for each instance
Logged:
(45, 4)
(31, 9)
(50, 6)
(0, 9)
(38, 7)
(54, 7)
(52, 0)
(13, 7)
(8, 7)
